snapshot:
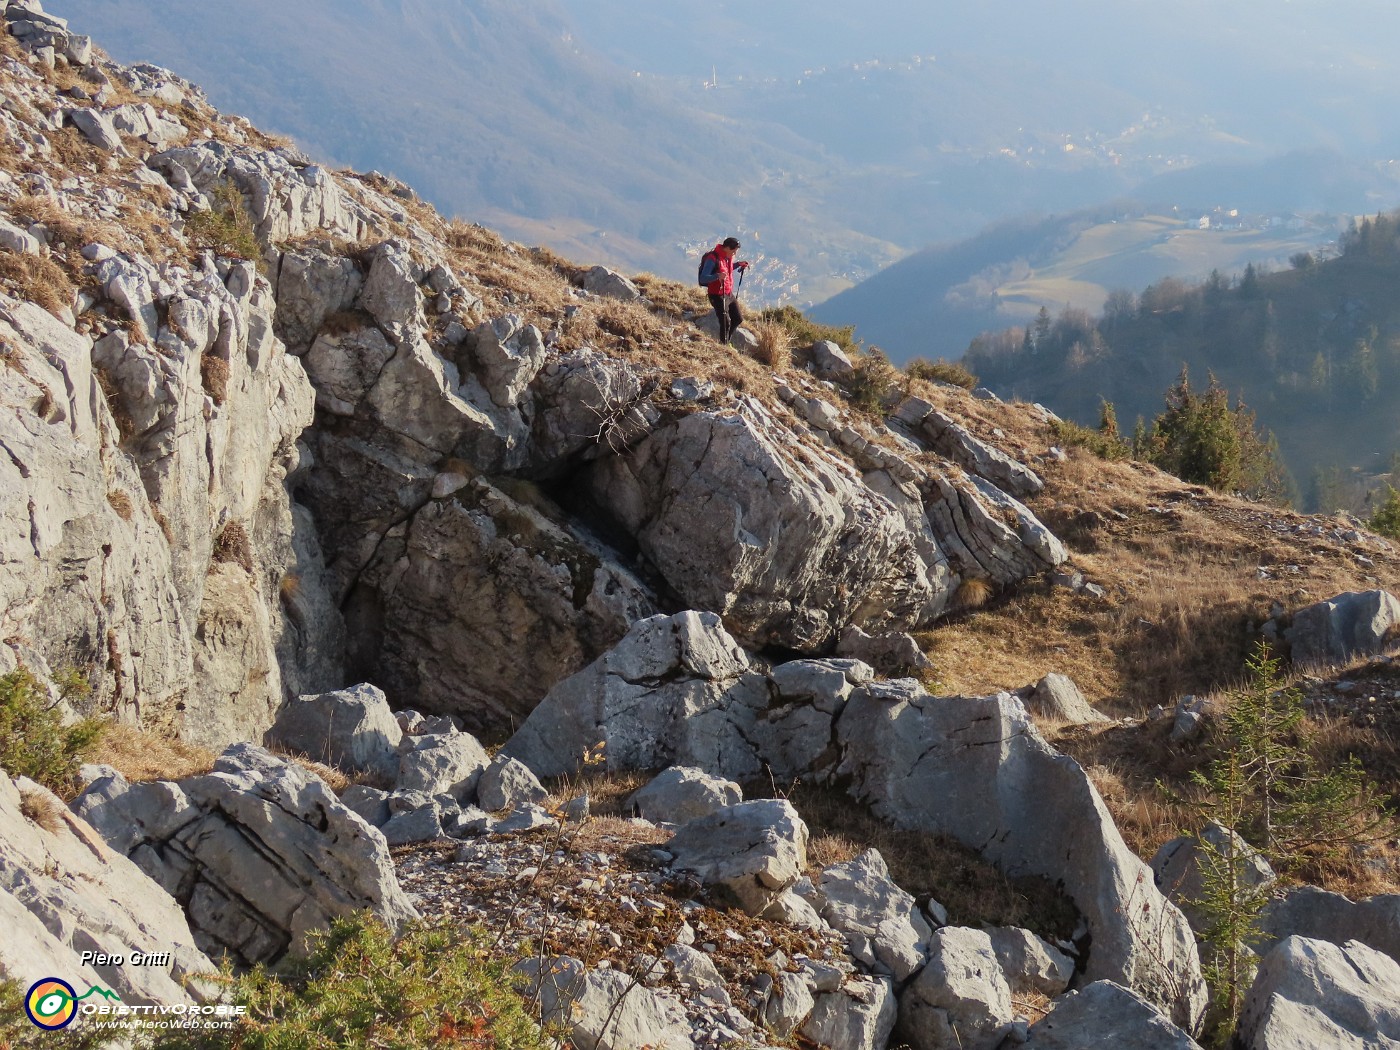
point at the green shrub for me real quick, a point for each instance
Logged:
(940, 371)
(805, 331)
(226, 228)
(874, 379)
(1265, 783)
(1105, 445)
(1386, 520)
(34, 742)
(359, 987)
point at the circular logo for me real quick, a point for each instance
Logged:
(51, 1003)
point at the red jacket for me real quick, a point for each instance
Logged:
(724, 284)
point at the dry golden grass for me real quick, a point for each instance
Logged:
(234, 546)
(607, 792)
(213, 370)
(672, 298)
(121, 503)
(40, 280)
(973, 593)
(74, 153)
(333, 777)
(41, 808)
(147, 755)
(1181, 568)
(774, 345)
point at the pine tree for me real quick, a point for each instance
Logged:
(1265, 785)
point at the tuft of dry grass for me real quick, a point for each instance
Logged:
(41, 808)
(973, 593)
(140, 755)
(213, 370)
(607, 792)
(121, 503)
(671, 298)
(234, 546)
(38, 279)
(164, 523)
(332, 776)
(774, 344)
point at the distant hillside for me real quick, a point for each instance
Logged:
(1314, 350)
(493, 112)
(934, 302)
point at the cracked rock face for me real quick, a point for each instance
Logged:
(258, 853)
(677, 690)
(976, 769)
(123, 514)
(784, 542)
(63, 892)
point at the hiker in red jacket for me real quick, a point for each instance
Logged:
(717, 275)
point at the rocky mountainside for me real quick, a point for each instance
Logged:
(295, 467)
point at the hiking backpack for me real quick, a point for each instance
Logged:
(700, 276)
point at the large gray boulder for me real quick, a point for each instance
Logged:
(604, 1009)
(508, 782)
(1318, 914)
(313, 285)
(1310, 994)
(790, 548)
(390, 292)
(507, 355)
(830, 361)
(676, 690)
(960, 999)
(892, 653)
(884, 928)
(258, 853)
(64, 892)
(599, 280)
(351, 729)
(858, 1016)
(976, 769)
(1057, 698)
(747, 854)
(1357, 623)
(1030, 963)
(1105, 1014)
(683, 793)
(442, 764)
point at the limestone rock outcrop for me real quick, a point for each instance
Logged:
(748, 853)
(63, 892)
(960, 998)
(1314, 993)
(976, 769)
(679, 689)
(1307, 911)
(1346, 626)
(257, 852)
(1106, 1014)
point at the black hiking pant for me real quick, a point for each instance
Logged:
(727, 310)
